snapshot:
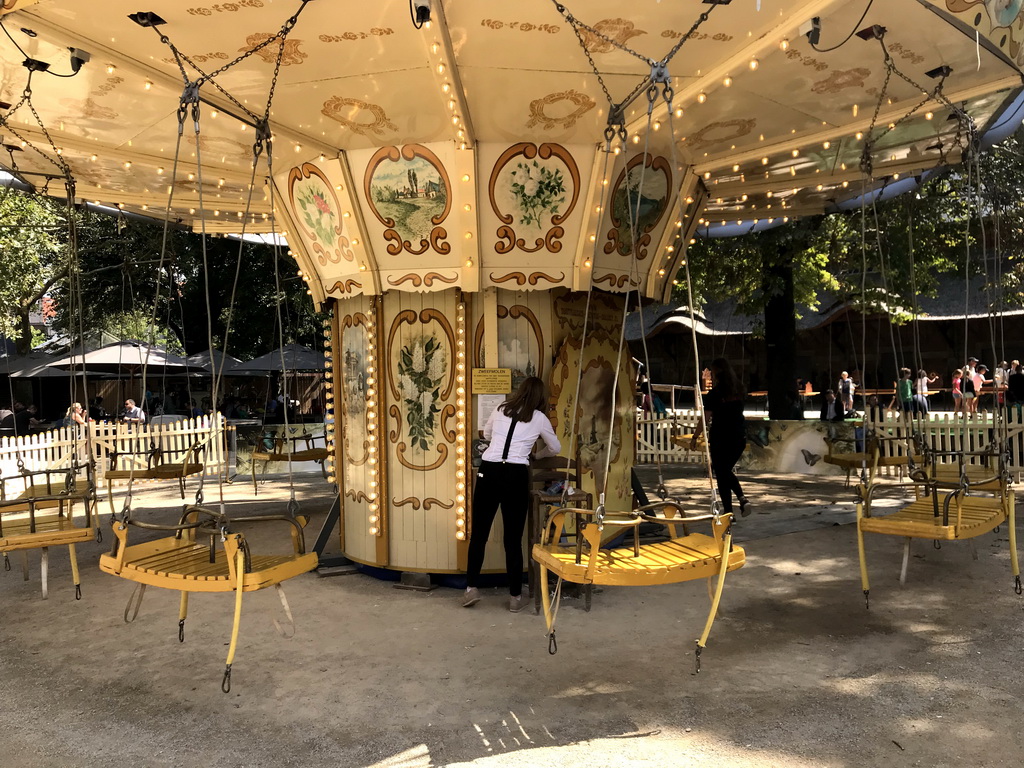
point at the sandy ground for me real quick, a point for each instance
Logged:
(797, 672)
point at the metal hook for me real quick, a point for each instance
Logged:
(225, 684)
(552, 643)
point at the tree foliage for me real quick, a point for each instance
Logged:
(132, 284)
(885, 256)
(33, 256)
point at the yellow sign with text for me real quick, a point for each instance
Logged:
(492, 381)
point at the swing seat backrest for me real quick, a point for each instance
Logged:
(296, 448)
(38, 508)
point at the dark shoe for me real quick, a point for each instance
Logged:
(744, 508)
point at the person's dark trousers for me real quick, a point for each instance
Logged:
(507, 486)
(724, 455)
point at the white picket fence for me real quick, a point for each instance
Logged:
(654, 439)
(941, 431)
(56, 448)
(952, 432)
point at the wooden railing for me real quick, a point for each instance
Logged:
(57, 448)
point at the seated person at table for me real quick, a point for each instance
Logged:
(24, 419)
(832, 408)
(132, 413)
(96, 409)
(6, 418)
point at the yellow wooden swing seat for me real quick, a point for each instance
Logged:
(276, 448)
(155, 467)
(42, 514)
(864, 460)
(955, 501)
(683, 557)
(185, 563)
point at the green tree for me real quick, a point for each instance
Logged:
(33, 258)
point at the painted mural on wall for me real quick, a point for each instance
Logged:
(409, 192)
(532, 191)
(315, 207)
(355, 345)
(422, 370)
(639, 200)
(520, 341)
(421, 420)
(587, 424)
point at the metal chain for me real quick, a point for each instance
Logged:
(26, 98)
(210, 77)
(575, 23)
(593, 65)
(964, 120)
(700, 20)
(617, 109)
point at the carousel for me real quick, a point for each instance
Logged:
(479, 192)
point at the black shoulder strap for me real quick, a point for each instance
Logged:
(508, 440)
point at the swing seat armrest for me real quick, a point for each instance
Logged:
(296, 523)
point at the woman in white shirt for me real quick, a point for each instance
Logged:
(921, 394)
(503, 479)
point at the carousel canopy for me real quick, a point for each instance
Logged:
(496, 144)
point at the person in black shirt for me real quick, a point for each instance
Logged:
(832, 409)
(1015, 386)
(96, 410)
(723, 411)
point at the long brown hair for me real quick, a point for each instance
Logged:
(726, 381)
(531, 396)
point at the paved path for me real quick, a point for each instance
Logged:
(797, 672)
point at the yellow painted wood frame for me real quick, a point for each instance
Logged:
(184, 563)
(44, 516)
(681, 558)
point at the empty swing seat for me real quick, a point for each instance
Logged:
(954, 501)
(694, 556)
(683, 557)
(190, 561)
(152, 464)
(48, 508)
(281, 448)
(866, 459)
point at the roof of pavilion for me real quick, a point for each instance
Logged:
(762, 126)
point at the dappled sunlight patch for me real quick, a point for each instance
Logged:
(414, 757)
(592, 689)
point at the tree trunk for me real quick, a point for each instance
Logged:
(24, 343)
(780, 339)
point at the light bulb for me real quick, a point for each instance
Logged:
(753, 64)
(702, 97)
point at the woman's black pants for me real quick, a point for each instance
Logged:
(507, 486)
(724, 455)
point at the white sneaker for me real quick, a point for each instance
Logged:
(471, 598)
(516, 603)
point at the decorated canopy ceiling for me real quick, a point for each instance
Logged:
(472, 151)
